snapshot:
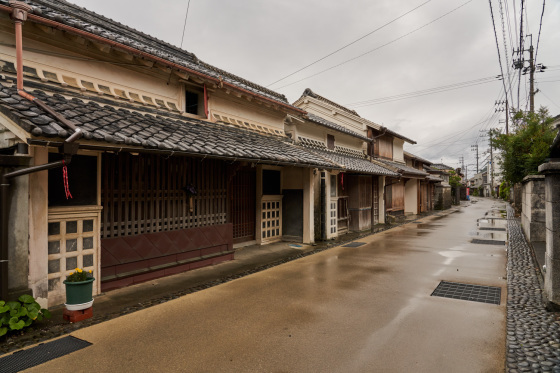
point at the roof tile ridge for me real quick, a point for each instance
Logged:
(310, 93)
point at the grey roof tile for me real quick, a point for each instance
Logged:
(194, 135)
(361, 165)
(86, 20)
(403, 168)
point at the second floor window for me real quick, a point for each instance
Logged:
(191, 102)
(330, 142)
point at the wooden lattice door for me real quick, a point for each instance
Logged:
(243, 205)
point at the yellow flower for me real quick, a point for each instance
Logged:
(90, 271)
(79, 270)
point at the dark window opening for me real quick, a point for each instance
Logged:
(191, 102)
(271, 182)
(82, 181)
(330, 142)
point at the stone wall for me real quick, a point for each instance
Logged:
(533, 218)
(517, 192)
(551, 170)
(442, 197)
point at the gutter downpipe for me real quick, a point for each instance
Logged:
(68, 148)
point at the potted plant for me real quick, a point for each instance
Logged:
(79, 290)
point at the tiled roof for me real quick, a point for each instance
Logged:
(434, 178)
(404, 168)
(408, 154)
(85, 20)
(323, 122)
(441, 166)
(157, 130)
(355, 164)
(310, 93)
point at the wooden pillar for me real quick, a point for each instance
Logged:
(308, 206)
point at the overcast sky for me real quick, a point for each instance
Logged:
(438, 43)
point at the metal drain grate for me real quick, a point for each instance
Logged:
(488, 242)
(491, 229)
(354, 244)
(474, 293)
(40, 354)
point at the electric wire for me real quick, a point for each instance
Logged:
(349, 44)
(520, 51)
(505, 49)
(185, 24)
(375, 49)
(540, 27)
(549, 99)
(497, 46)
(402, 96)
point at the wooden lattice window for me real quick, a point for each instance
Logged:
(147, 194)
(271, 218)
(333, 218)
(73, 242)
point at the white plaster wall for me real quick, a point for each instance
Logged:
(18, 238)
(38, 236)
(381, 199)
(71, 63)
(239, 107)
(332, 114)
(411, 197)
(319, 133)
(398, 153)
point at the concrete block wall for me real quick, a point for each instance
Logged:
(533, 215)
(552, 256)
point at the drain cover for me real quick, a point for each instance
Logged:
(474, 293)
(40, 354)
(491, 229)
(354, 244)
(488, 242)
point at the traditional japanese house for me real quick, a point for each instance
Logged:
(133, 158)
(348, 200)
(426, 186)
(403, 194)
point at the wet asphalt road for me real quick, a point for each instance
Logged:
(364, 309)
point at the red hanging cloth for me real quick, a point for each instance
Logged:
(65, 180)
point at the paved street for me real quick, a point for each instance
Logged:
(347, 309)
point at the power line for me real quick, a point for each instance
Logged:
(402, 96)
(349, 44)
(505, 49)
(185, 24)
(540, 27)
(497, 46)
(373, 50)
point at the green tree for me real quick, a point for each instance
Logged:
(526, 147)
(454, 179)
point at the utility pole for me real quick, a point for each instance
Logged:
(531, 69)
(475, 147)
(490, 133)
(531, 79)
(500, 108)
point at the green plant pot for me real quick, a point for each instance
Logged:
(79, 292)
